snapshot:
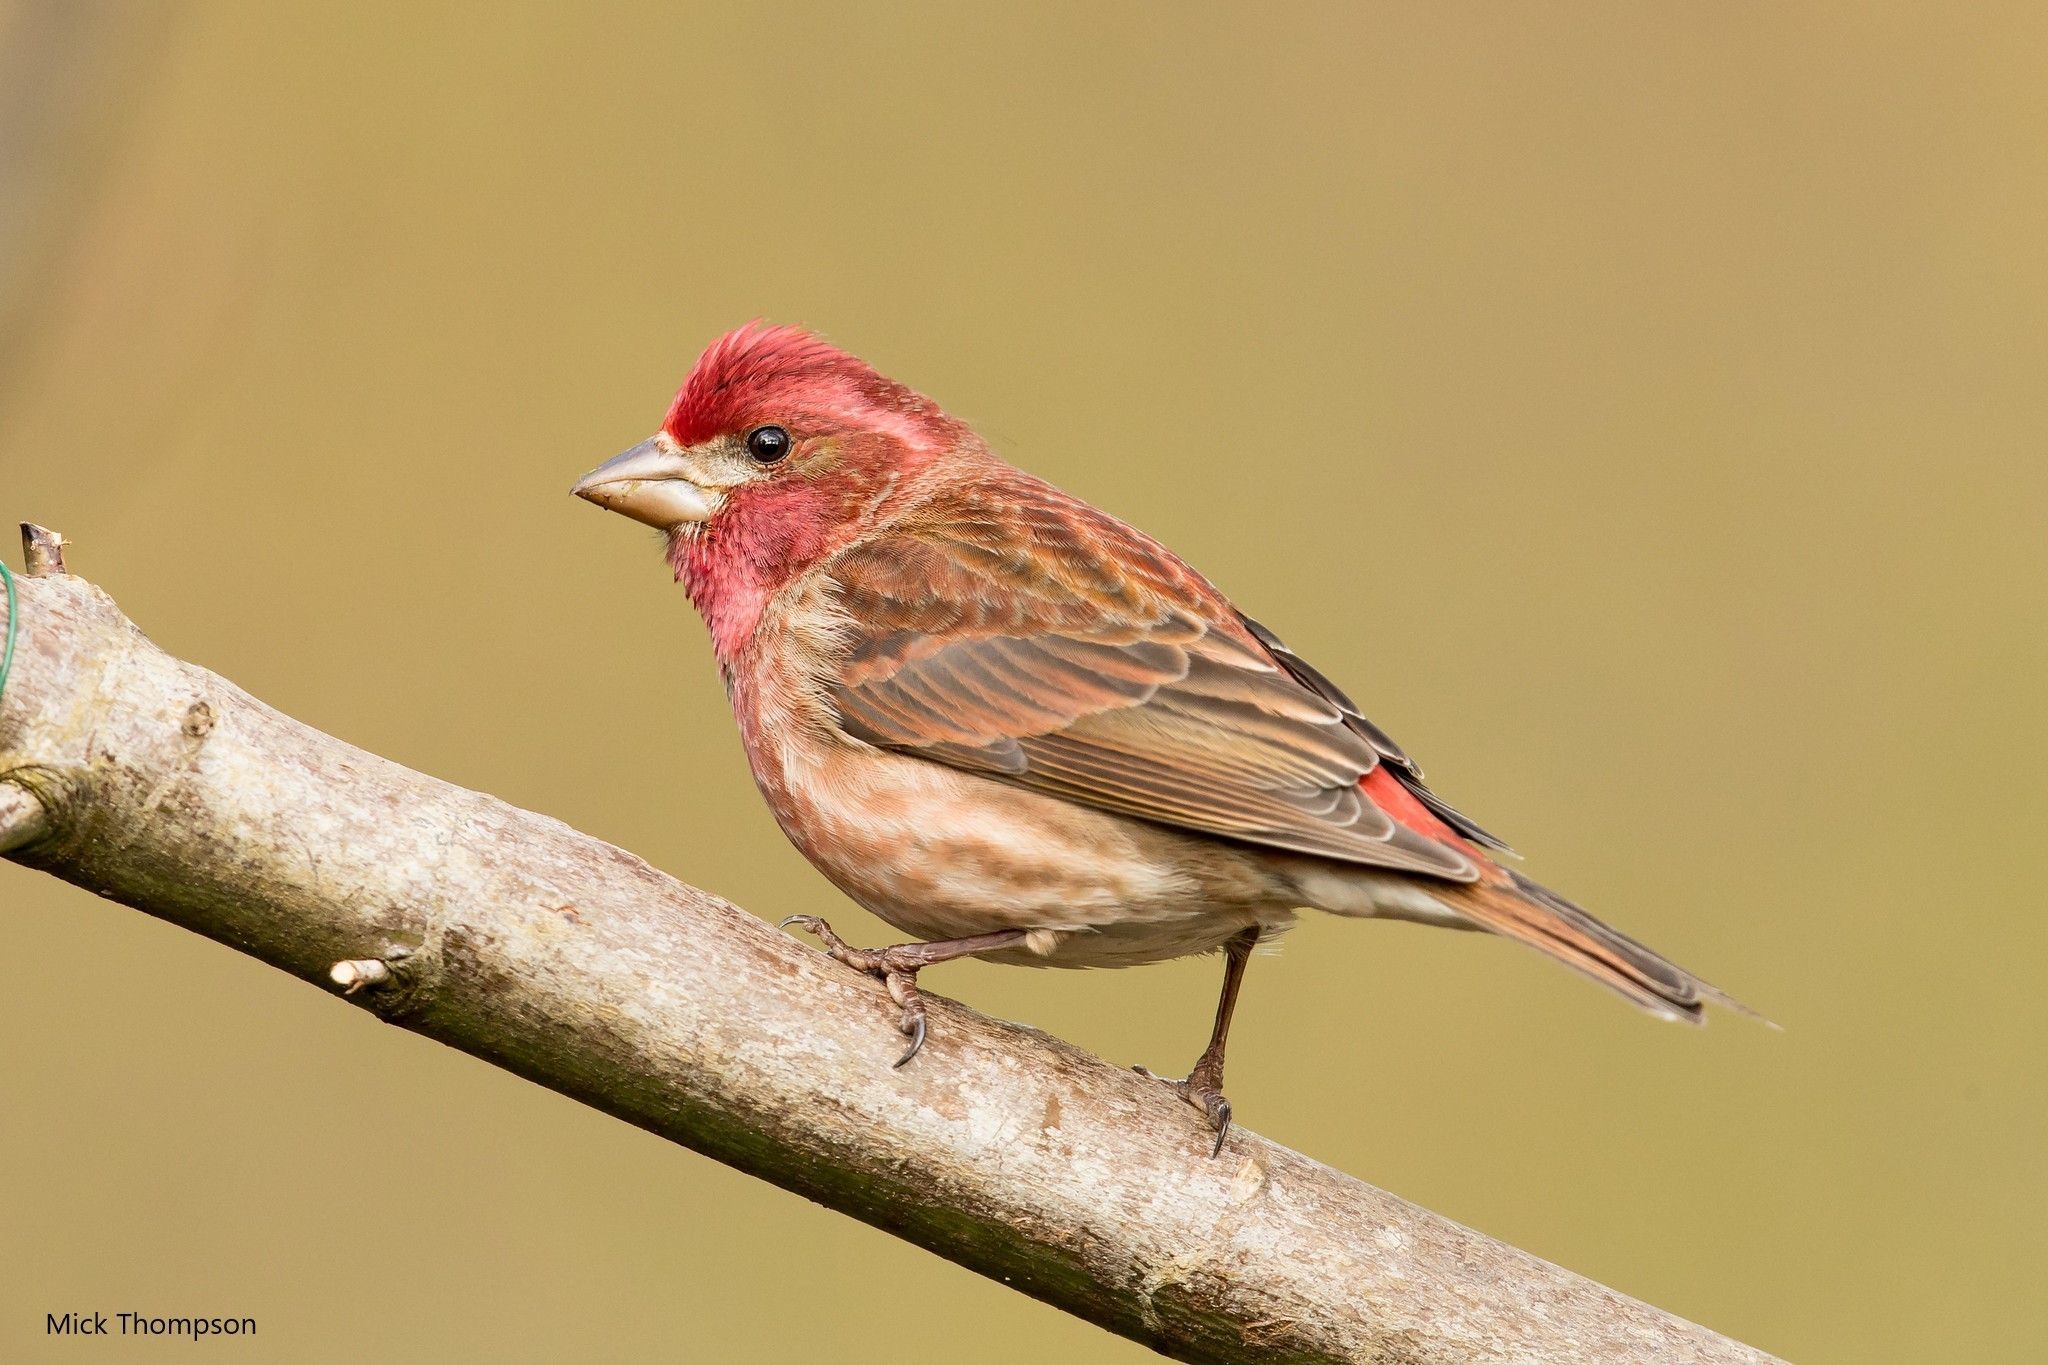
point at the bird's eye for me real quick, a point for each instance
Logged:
(768, 444)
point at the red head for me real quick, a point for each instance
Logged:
(778, 449)
(760, 373)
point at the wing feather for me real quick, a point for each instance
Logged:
(1020, 635)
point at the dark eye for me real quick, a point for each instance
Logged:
(768, 444)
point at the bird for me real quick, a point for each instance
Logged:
(1019, 729)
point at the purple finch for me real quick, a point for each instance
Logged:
(1016, 728)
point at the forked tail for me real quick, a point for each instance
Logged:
(1518, 908)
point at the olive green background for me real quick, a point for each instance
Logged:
(1639, 408)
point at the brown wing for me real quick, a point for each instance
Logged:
(1405, 769)
(1020, 635)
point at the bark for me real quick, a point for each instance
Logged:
(579, 966)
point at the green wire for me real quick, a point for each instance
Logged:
(7, 658)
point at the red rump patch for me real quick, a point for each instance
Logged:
(1389, 795)
(752, 365)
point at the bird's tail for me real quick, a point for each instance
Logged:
(1509, 904)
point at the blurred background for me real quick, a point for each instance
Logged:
(1638, 408)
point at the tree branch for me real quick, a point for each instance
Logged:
(577, 965)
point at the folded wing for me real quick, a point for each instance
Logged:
(1022, 636)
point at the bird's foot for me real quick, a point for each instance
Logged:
(896, 968)
(1203, 1088)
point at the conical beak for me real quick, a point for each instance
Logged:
(649, 483)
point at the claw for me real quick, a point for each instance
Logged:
(916, 1032)
(1219, 1119)
(897, 967)
(1213, 1105)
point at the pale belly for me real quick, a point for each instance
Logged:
(944, 854)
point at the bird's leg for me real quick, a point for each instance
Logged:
(1203, 1087)
(897, 967)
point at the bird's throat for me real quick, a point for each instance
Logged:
(733, 564)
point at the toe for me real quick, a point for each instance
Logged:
(903, 990)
